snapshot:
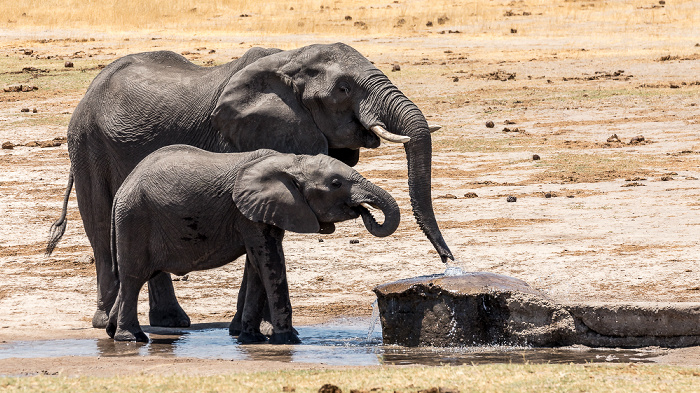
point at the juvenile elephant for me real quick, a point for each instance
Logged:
(319, 99)
(185, 209)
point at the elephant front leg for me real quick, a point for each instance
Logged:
(252, 309)
(164, 310)
(264, 248)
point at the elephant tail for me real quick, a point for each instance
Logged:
(113, 242)
(59, 227)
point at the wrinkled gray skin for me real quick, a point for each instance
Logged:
(319, 99)
(185, 209)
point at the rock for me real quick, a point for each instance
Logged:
(491, 309)
(489, 124)
(354, 241)
(513, 31)
(455, 79)
(68, 64)
(348, 17)
(8, 145)
(329, 388)
(549, 195)
(535, 157)
(511, 199)
(53, 143)
(471, 195)
(24, 110)
(441, 20)
(637, 139)
(446, 196)
(471, 309)
(429, 23)
(34, 110)
(31, 144)
(508, 122)
(396, 67)
(613, 139)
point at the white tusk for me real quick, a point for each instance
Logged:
(382, 133)
(433, 127)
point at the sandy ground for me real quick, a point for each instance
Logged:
(621, 223)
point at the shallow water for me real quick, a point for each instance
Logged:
(339, 343)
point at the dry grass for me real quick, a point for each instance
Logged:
(484, 378)
(475, 17)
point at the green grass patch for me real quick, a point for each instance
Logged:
(481, 378)
(590, 168)
(50, 74)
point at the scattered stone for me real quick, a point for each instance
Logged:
(446, 196)
(550, 195)
(455, 79)
(513, 31)
(329, 388)
(535, 157)
(24, 110)
(34, 110)
(320, 240)
(8, 145)
(212, 51)
(691, 178)
(360, 24)
(68, 64)
(511, 199)
(348, 17)
(666, 178)
(489, 124)
(354, 241)
(28, 52)
(31, 144)
(637, 139)
(633, 184)
(471, 195)
(508, 122)
(614, 139)
(441, 20)
(288, 389)
(19, 88)
(395, 67)
(53, 143)
(429, 23)
(244, 15)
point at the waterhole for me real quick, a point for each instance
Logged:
(343, 342)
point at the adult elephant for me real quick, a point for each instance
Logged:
(319, 99)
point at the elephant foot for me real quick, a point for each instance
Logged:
(284, 338)
(126, 335)
(111, 330)
(169, 317)
(99, 320)
(251, 338)
(234, 332)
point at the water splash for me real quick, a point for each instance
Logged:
(454, 269)
(373, 320)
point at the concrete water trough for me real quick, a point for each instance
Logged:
(491, 309)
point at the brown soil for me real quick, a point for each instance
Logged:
(593, 239)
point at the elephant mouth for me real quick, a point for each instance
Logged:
(370, 212)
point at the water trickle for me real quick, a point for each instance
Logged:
(454, 270)
(373, 320)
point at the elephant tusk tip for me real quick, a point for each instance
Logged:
(434, 127)
(384, 134)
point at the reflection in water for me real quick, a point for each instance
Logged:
(342, 343)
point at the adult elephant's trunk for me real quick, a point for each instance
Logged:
(386, 106)
(378, 198)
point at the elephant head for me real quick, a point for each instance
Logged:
(329, 99)
(307, 194)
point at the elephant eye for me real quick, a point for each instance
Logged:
(336, 183)
(345, 88)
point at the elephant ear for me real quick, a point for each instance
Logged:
(265, 191)
(261, 107)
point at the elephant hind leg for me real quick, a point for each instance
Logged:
(252, 312)
(164, 310)
(123, 322)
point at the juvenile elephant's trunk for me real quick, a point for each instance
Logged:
(387, 106)
(377, 198)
